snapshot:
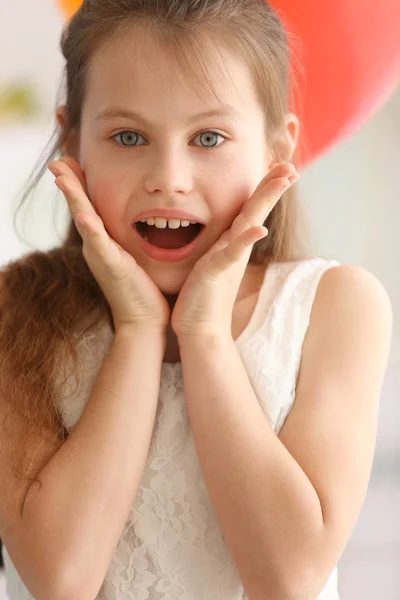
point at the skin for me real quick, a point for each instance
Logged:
(169, 164)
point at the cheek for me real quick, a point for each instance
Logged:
(234, 195)
(109, 202)
(104, 193)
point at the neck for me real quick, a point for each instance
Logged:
(171, 299)
(172, 349)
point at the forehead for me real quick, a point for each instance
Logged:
(132, 67)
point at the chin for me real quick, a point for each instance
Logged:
(169, 279)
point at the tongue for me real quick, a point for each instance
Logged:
(171, 238)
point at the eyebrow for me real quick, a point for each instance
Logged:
(114, 113)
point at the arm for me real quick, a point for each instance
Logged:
(88, 488)
(287, 504)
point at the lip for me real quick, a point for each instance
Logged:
(166, 255)
(167, 214)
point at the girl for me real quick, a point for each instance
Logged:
(189, 404)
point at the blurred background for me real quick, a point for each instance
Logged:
(351, 197)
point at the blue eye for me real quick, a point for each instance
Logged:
(128, 139)
(208, 137)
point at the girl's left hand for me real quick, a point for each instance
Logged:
(206, 301)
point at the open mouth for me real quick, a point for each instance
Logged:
(167, 238)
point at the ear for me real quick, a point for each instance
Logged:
(70, 146)
(288, 139)
(292, 127)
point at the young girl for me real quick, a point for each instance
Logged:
(189, 404)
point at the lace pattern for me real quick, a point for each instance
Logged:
(172, 547)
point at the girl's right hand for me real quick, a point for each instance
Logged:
(133, 297)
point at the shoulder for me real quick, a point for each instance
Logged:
(346, 293)
(351, 321)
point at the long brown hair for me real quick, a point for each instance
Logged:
(50, 300)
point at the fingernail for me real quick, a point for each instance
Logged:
(289, 181)
(54, 169)
(293, 178)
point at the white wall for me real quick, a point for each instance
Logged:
(352, 198)
(29, 40)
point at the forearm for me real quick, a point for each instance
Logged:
(89, 486)
(268, 510)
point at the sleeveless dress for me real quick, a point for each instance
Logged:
(172, 547)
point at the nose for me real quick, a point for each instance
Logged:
(169, 172)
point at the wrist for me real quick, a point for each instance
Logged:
(131, 330)
(211, 339)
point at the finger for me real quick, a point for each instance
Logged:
(76, 169)
(88, 223)
(69, 179)
(229, 253)
(264, 201)
(240, 224)
(277, 170)
(282, 169)
(74, 194)
(236, 250)
(70, 168)
(93, 233)
(276, 179)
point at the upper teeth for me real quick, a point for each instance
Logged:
(172, 223)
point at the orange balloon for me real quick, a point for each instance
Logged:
(70, 6)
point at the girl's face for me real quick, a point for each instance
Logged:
(164, 161)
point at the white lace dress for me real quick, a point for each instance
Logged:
(172, 547)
